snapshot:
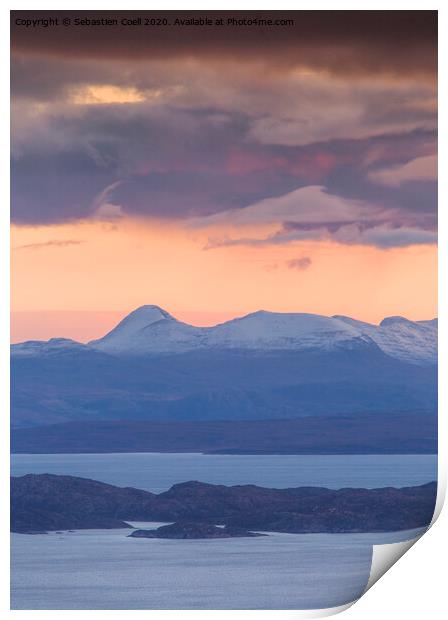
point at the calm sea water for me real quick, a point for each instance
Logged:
(103, 569)
(158, 472)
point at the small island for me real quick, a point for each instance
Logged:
(184, 530)
(50, 502)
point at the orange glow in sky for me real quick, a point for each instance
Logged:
(78, 280)
(217, 172)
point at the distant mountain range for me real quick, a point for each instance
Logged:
(150, 330)
(262, 366)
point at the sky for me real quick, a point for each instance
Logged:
(218, 170)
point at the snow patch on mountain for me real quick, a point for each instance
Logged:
(409, 341)
(150, 330)
(261, 331)
(273, 330)
(47, 347)
(137, 320)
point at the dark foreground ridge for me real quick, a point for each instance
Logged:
(46, 502)
(184, 530)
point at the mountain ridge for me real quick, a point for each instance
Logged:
(151, 330)
(262, 366)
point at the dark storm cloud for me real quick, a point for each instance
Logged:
(415, 200)
(176, 163)
(394, 230)
(44, 79)
(192, 193)
(342, 42)
(47, 78)
(380, 234)
(160, 162)
(55, 187)
(239, 125)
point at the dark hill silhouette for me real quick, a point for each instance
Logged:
(49, 502)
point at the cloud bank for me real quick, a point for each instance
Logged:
(322, 130)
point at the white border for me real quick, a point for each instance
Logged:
(415, 588)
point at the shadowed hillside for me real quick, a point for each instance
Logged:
(49, 502)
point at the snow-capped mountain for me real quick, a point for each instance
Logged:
(410, 341)
(47, 347)
(272, 330)
(264, 365)
(150, 330)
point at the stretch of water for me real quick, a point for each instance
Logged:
(157, 472)
(103, 569)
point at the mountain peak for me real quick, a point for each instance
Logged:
(149, 314)
(142, 317)
(135, 322)
(150, 330)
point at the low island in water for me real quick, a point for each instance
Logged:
(48, 502)
(192, 530)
